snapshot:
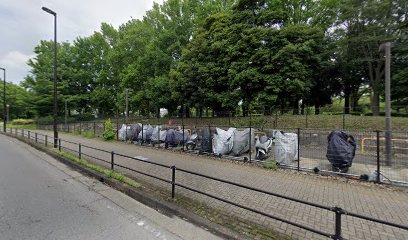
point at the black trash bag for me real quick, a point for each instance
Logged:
(341, 150)
(205, 139)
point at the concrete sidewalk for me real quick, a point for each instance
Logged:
(372, 200)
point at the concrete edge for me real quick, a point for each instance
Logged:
(139, 195)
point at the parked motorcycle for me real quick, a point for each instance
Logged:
(263, 147)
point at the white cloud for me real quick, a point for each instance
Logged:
(24, 25)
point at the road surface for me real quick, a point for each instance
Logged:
(41, 198)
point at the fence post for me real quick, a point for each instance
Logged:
(79, 151)
(344, 120)
(59, 144)
(36, 137)
(22, 132)
(337, 234)
(112, 160)
(378, 156)
(46, 140)
(29, 137)
(183, 137)
(141, 140)
(250, 137)
(306, 117)
(94, 126)
(173, 181)
(298, 149)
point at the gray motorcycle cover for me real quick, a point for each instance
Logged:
(241, 141)
(135, 129)
(341, 149)
(175, 137)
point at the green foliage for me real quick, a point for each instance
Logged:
(223, 55)
(22, 121)
(108, 134)
(270, 165)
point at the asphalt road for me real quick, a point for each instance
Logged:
(41, 198)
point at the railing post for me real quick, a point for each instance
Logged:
(59, 144)
(337, 230)
(173, 181)
(112, 160)
(183, 137)
(36, 139)
(29, 138)
(79, 151)
(298, 149)
(378, 156)
(94, 128)
(46, 140)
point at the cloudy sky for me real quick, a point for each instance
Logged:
(24, 24)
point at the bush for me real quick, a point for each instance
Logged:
(84, 117)
(22, 121)
(108, 134)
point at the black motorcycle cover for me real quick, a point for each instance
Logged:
(341, 149)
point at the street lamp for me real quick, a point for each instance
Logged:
(8, 113)
(4, 99)
(55, 75)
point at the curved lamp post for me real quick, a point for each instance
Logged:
(55, 75)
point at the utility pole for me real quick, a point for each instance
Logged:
(388, 147)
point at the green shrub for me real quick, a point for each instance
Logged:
(22, 121)
(108, 134)
(270, 165)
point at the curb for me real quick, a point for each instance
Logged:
(139, 195)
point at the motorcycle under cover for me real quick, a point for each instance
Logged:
(146, 132)
(135, 129)
(341, 149)
(286, 147)
(124, 132)
(241, 141)
(158, 134)
(223, 141)
(205, 140)
(175, 137)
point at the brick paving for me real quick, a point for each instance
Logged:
(386, 203)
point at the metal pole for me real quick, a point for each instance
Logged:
(338, 211)
(59, 144)
(66, 115)
(55, 76)
(126, 115)
(55, 83)
(36, 139)
(378, 156)
(46, 140)
(298, 149)
(250, 137)
(388, 103)
(112, 160)
(4, 99)
(173, 181)
(182, 122)
(79, 151)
